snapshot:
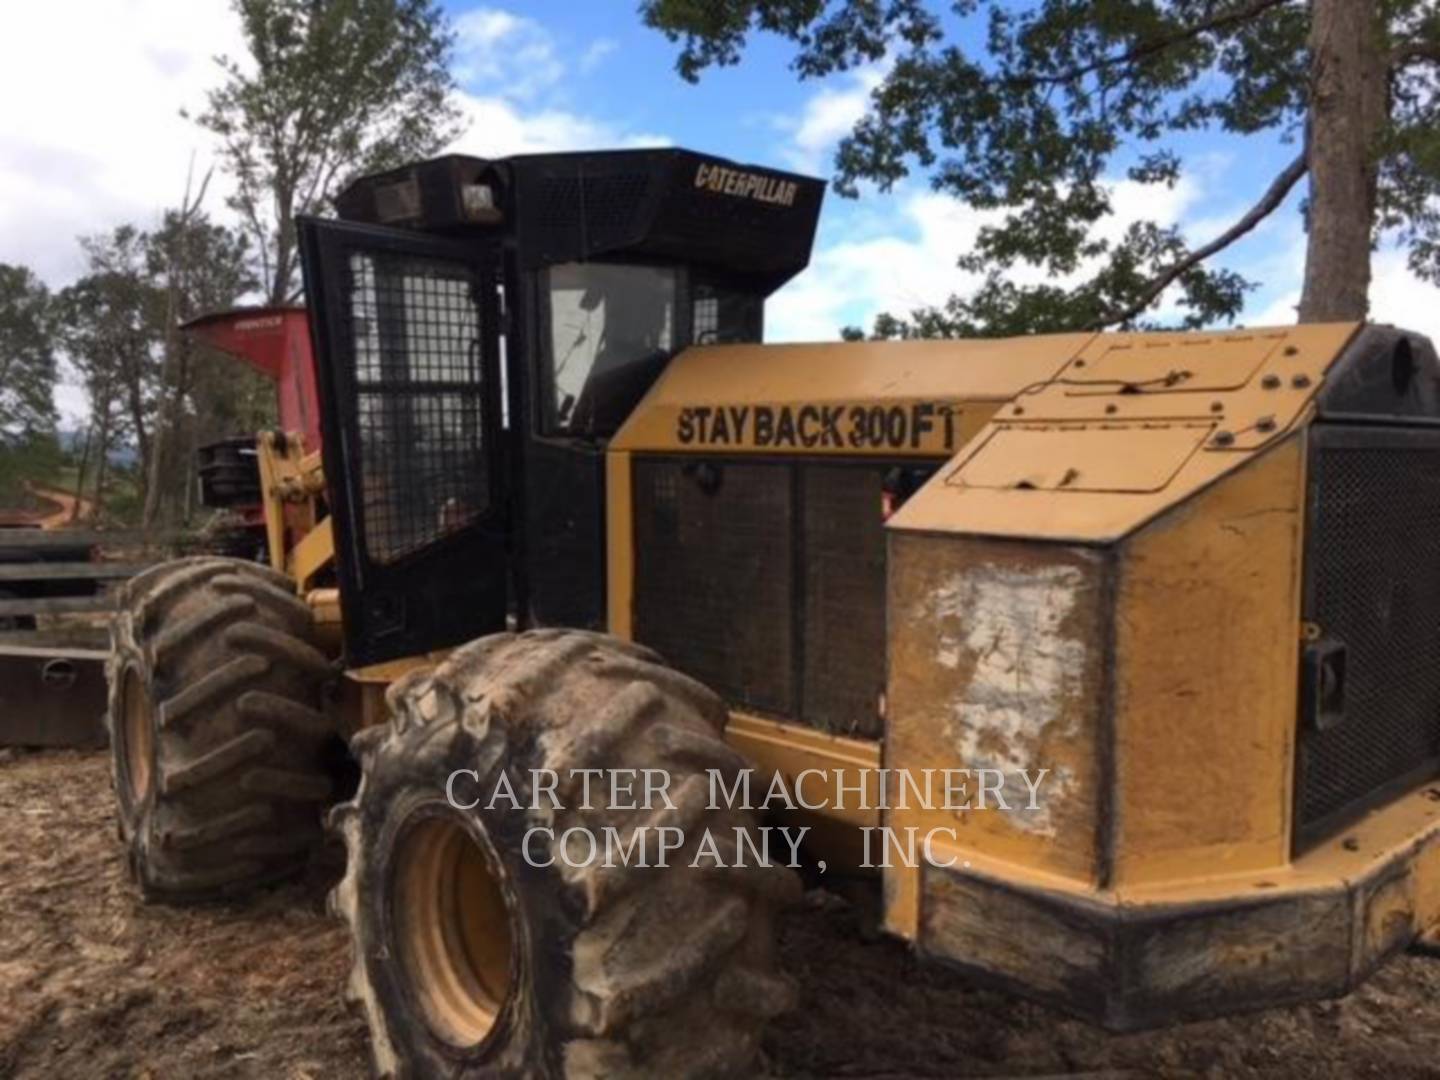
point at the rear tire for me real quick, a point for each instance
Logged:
(469, 960)
(219, 746)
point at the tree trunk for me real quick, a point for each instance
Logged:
(192, 482)
(166, 405)
(284, 237)
(133, 375)
(102, 460)
(1348, 108)
(80, 473)
(174, 365)
(284, 262)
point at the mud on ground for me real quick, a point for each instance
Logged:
(94, 984)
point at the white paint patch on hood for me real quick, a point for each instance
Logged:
(1010, 623)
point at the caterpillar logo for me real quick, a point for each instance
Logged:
(746, 185)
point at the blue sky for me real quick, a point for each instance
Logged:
(100, 141)
(595, 67)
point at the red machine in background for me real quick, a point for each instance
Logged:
(275, 341)
(52, 679)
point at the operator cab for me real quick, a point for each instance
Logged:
(482, 328)
(610, 328)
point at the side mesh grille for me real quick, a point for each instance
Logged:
(713, 585)
(597, 211)
(766, 581)
(1372, 583)
(844, 603)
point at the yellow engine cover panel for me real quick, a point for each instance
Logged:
(1131, 426)
(1203, 361)
(1206, 641)
(1083, 459)
(896, 398)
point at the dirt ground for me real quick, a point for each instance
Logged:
(93, 984)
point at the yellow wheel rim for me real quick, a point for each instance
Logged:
(453, 929)
(137, 738)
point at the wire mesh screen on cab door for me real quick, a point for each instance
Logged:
(416, 339)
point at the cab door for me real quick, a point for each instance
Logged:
(407, 334)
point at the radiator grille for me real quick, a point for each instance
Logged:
(713, 586)
(844, 562)
(1373, 584)
(766, 581)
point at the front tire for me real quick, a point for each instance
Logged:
(469, 959)
(220, 749)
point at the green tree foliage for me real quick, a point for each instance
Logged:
(27, 357)
(210, 262)
(331, 88)
(201, 266)
(213, 269)
(27, 382)
(116, 325)
(109, 320)
(33, 460)
(1034, 110)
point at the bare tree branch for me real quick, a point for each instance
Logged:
(1147, 49)
(1273, 197)
(1407, 52)
(362, 82)
(178, 268)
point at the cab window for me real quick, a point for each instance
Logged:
(724, 316)
(611, 329)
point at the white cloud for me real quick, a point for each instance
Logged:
(72, 404)
(90, 135)
(910, 261)
(827, 117)
(1398, 296)
(98, 140)
(595, 55)
(511, 54)
(912, 264)
(850, 281)
(513, 79)
(480, 32)
(1281, 311)
(1132, 201)
(496, 128)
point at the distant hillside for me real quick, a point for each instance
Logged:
(72, 441)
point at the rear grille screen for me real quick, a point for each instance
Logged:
(1372, 583)
(766, 581)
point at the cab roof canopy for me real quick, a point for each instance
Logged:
(751, 224)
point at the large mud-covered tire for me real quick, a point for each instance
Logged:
(469, 959)
(221, 752)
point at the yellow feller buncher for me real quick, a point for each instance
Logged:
(1186, 587)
